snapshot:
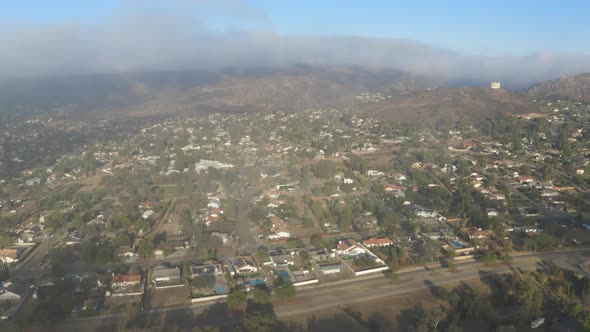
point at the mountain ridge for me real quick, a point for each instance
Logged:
(575, 88)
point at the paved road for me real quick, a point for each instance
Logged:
(243, 227)
(324, 296)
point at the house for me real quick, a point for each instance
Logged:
(492, 212)
(350, 247)
(279, 232)
(364, 222)
(374, 173)
(244, 266)
(212, 268)
(281, 257)
(147, 214)
(331, 268)
(319, 255)
(529, 229)
(171, 243)
(474, 232)
(378, 242)
(214, 203)
(26, 237)
(279, 229)
(12, 296)
(348, 181)
(126, 284)
(126, 253)
(123, 280)
(550, 193)
(8, 296)
(545, 185)
(424, 213)
(224, 237)
(399, 178)
(391, 187)
(437, 235)
(579, 171)
(9, 255)
(167, 277)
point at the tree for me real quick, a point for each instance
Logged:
(316, 241)
(5, 241)
(261, 295)
(105, 254)
(260, 321)
(565, 146)
(122, 239)
(262, 254)
(305, 256)
(488, 258)
(256, 214)
(345, 220)
(285, 292)
(236, 300)
(88, 251)
(146, 247)
(393, 276)
(54, 220)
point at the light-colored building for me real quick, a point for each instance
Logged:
(331, 268)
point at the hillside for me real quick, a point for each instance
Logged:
(575, 88)
(389, 94)
(450, 104)
(295, 88)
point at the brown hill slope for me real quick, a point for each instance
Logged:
(450, 104)
(576, 88)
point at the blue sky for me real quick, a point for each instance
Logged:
(518, 27)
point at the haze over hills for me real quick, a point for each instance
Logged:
(407, 97)
(575, 88)
(289, 88)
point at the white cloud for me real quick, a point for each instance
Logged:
(150, 41)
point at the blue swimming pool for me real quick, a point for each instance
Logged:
(457, 244)
(257, 282)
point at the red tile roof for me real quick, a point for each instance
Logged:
(136, 277)
(378, 242)
(347, 244)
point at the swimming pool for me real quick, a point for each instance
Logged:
(457, 244)
(257, 282)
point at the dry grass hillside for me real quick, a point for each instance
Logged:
(575, 88)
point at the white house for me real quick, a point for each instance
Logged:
(6, 296)
(350, 247)
(425, 213)
(244, 266)
(147, 214)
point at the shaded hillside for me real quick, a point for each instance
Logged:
(295, 88)
(450, 104)
(291, 88)
(575, 88)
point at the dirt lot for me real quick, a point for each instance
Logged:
(91, 183)
(117, 304)
(394, 311)
(168, 296)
